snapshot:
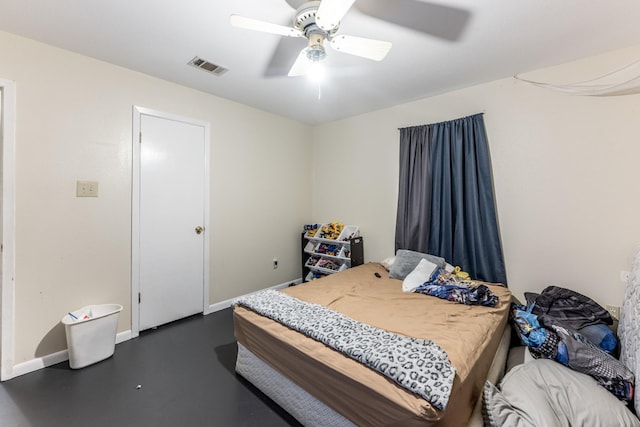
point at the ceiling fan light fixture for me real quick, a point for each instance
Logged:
(315, 51)
(316, 72)
(318, 21)
(316, 54)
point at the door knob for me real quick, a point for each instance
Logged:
(199, 230)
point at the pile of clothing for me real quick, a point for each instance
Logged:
(572, 329)
(446, 282)
(458, 287)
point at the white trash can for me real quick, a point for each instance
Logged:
(91, 333)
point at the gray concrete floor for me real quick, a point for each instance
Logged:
(186, 375)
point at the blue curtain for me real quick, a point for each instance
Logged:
(458, 221)
(414, 195)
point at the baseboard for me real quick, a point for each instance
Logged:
(54, 358)
(227, 303)
(63, 355)
(123, 336)
(39, 363)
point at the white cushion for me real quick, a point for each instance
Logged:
(388, 262)
(418, 276)
(547, 393)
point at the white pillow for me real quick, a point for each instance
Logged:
(547, 393)
(418, 276)
(388, 262)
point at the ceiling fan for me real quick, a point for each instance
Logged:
(318, 21)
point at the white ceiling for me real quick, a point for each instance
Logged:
(499, 38)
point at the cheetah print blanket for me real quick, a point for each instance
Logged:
(419, 365)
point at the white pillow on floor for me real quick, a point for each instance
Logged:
(546, 393)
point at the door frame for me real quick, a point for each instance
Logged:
(138, 112)
(7, 283)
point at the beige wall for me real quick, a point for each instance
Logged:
(74, 121)
(565, 174)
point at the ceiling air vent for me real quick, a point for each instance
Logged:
(207, 66)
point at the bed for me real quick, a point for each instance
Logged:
(320, 386)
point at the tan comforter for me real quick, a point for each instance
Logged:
(469, 335)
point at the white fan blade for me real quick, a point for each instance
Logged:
(359, 46)
(265, 27)
(302, 64)
(330, 12)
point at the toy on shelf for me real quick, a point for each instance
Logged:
(331, 250)
(331, 231)
(314, 275)
(311, 230)
(312, 261)
(328, 264)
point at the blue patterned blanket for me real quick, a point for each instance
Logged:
(420, 366)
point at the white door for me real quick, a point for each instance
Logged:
(171, 223)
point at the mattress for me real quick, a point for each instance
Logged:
(469, 334)
(294, 399)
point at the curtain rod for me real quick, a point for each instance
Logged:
(445, 121)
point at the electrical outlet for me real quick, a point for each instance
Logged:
(86, 188)
(614, 311)
(275, 263)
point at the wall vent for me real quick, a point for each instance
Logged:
(207, 66)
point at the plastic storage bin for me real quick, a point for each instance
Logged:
(91, 333)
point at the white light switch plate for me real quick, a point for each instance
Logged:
(86, 188)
